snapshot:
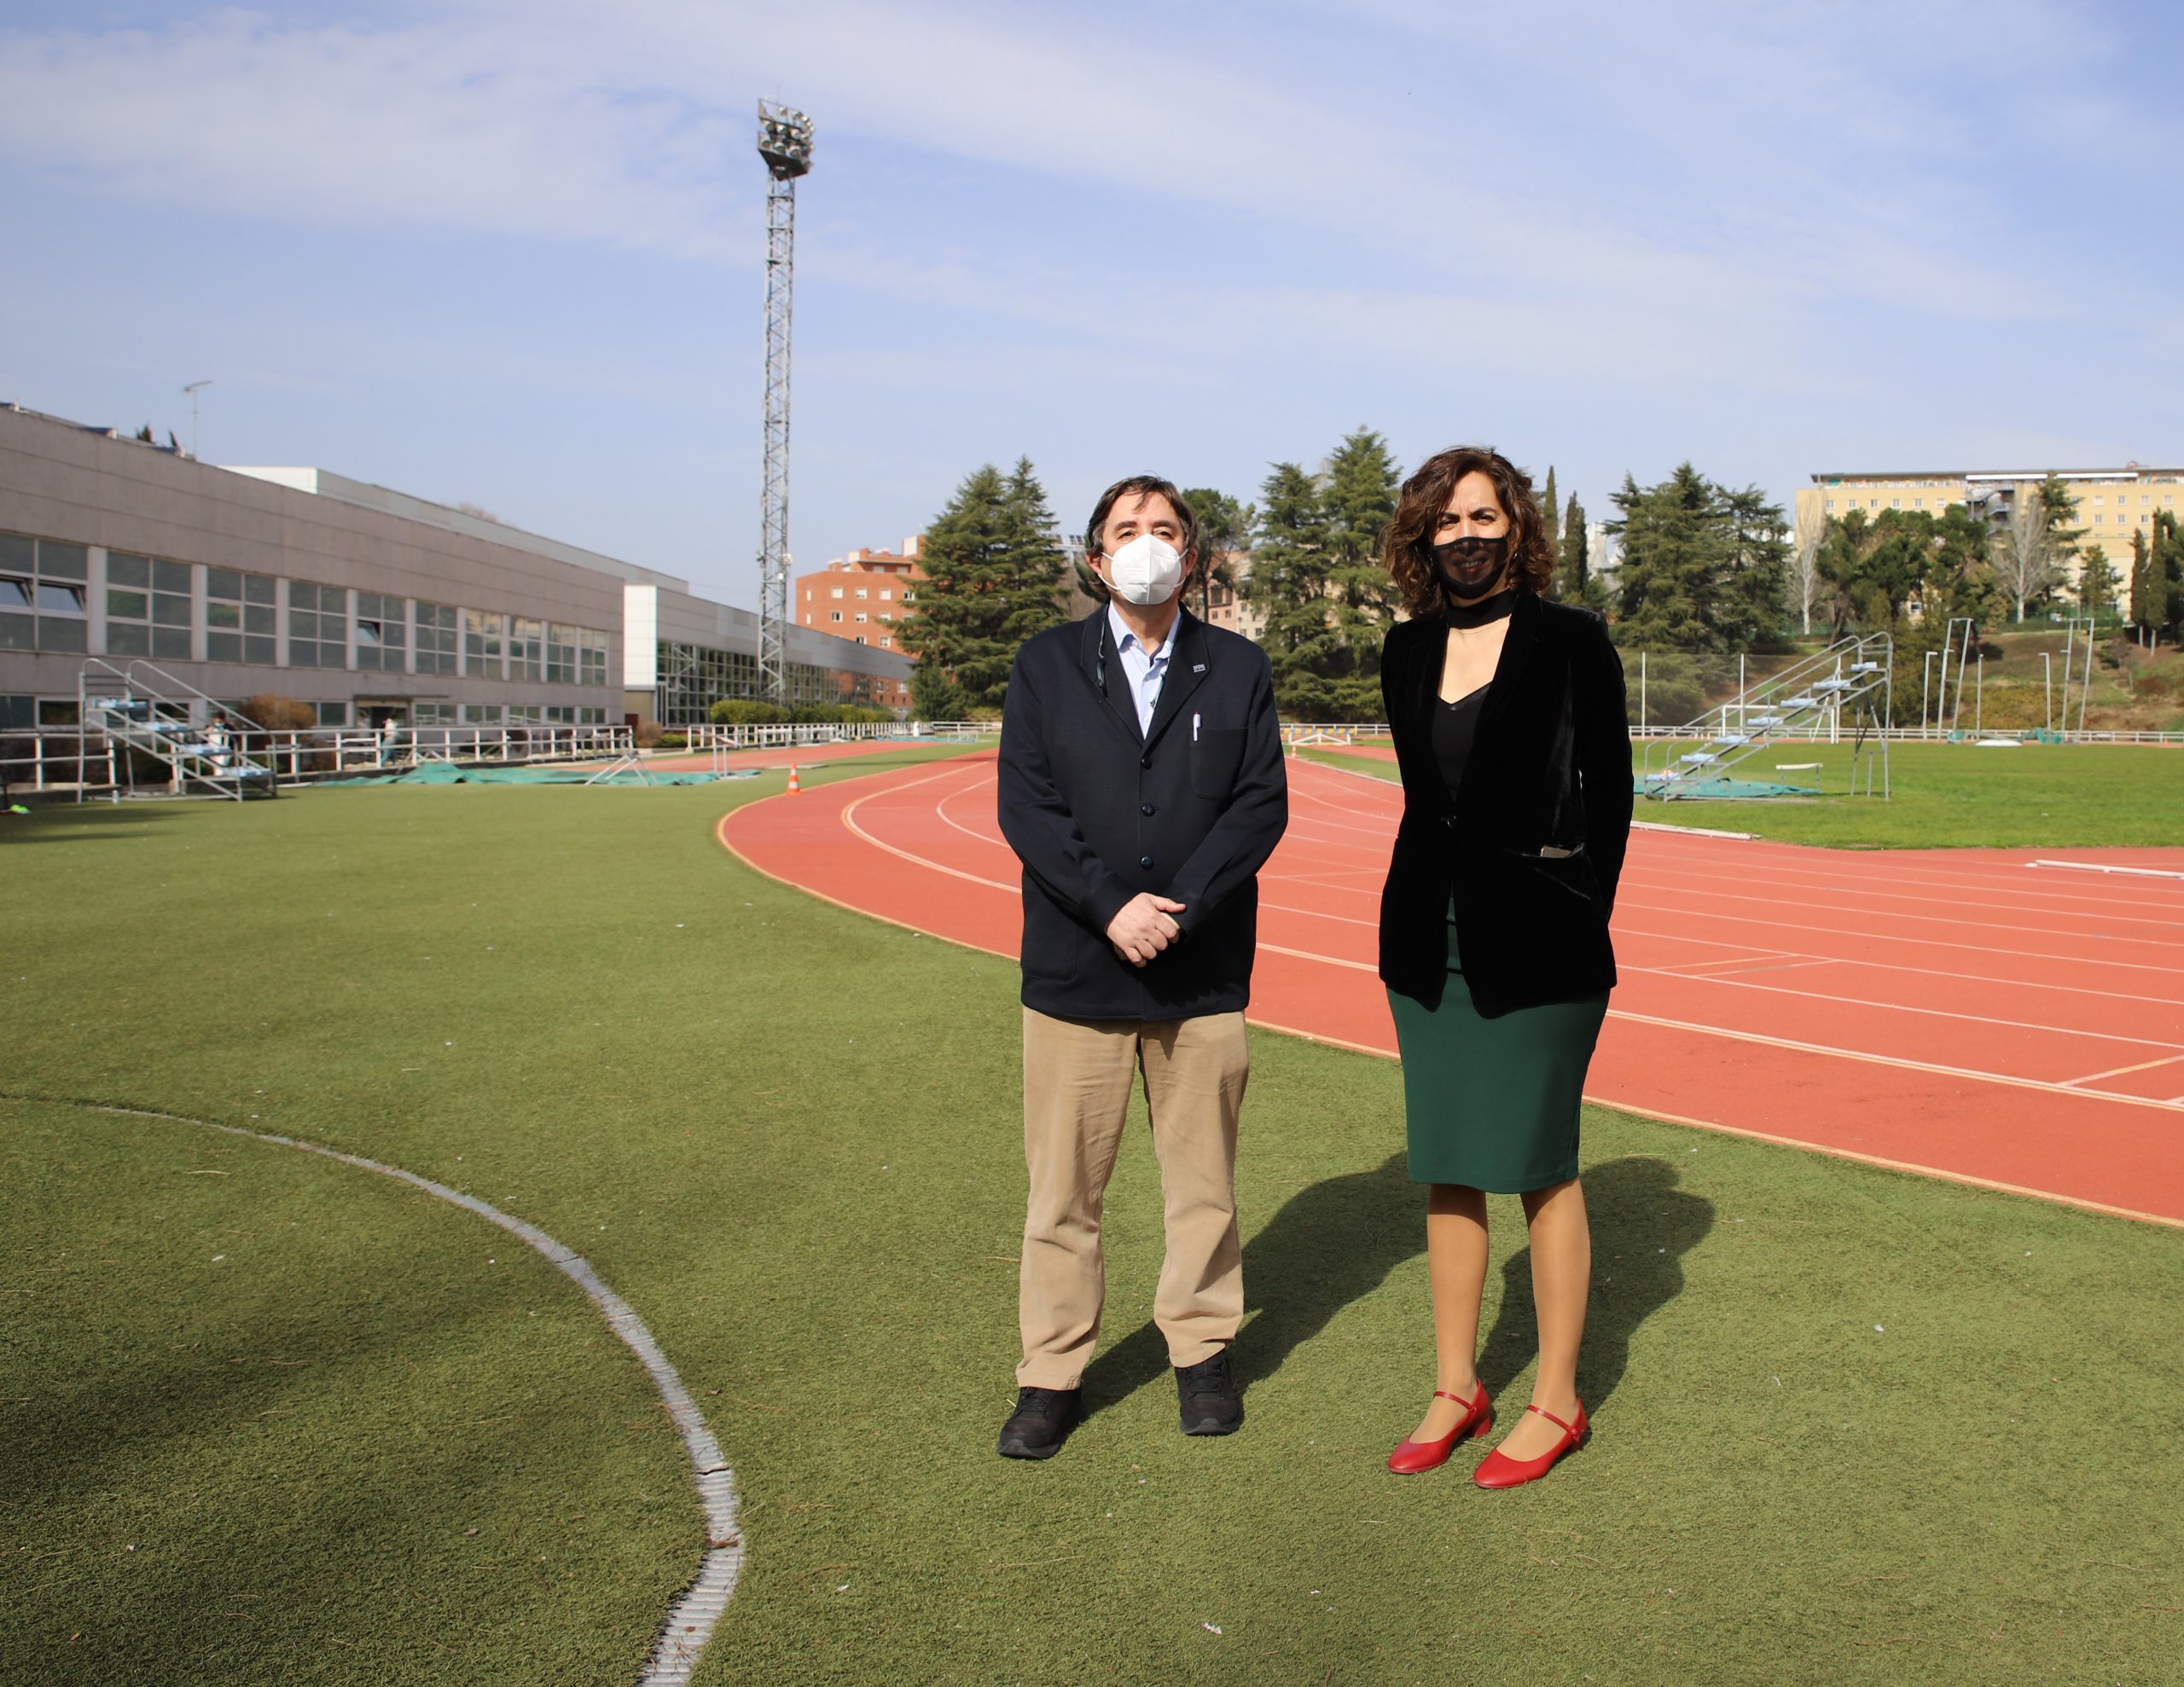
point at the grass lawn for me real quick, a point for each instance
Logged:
(1851, 1426)
(2082, 796)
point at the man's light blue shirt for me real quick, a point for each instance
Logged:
(1145, 671)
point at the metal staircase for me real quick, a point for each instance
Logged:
(144, 709)
(1852, 680)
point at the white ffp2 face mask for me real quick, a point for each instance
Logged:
(1146, 570)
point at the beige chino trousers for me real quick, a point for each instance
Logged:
(1078, 1078)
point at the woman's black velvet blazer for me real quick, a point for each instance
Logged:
(1549, 769)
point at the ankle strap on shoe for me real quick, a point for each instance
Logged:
(1470, 1405)
(1553, 1419)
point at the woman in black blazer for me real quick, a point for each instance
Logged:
(1508, 714)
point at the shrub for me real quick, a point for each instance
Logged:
(672, 741)
(274, 713)
(648, 734)
(745, 711)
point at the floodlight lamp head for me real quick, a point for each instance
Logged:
(784, 140)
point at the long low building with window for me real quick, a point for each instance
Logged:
(364, 604)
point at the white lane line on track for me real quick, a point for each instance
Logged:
(1810, 926)
(2107, 867)
(1974, 1074)
(2119, 1071)
(1833, 997)
(1862, 1055)
(1974, 879)
(691, 1622)
(1965, 907)
(1789, 956)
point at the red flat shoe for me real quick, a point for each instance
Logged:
(1498, 1470)
(1412, 1456)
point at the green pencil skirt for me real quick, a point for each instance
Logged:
(1493, 1103)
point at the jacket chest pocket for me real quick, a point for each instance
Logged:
(1216, 754)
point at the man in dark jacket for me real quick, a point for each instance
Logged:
(1141, 785)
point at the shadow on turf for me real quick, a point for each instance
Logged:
(80, 823)
(1337, 1241)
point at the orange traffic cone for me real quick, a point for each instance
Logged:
(793, 787)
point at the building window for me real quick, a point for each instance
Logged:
(527, 651)
(382, 637)
(886, 644)
(332, 714)
(560, 655)
(833, 591)
(432, 714)
(42, 594)
(860, 637)
(909, 596)
(591, 657)
(484, 644)
(481, 714)
(318, 625)
(239, 618)
(592, 715)
(887, 615)
(834, 615)
(435, 638)
(147, 607)
(863, 593)
(861, 616)
(886, 593)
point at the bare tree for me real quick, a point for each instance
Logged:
(1808, 587)
(2029, 560)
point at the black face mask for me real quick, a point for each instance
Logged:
(1469, 566)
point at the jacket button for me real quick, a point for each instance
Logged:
(1145, 807)
(1145, 761)
(1145, 861)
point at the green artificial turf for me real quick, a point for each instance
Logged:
(789, 1136)
(1942, 796)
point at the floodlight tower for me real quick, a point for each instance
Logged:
(785, 144)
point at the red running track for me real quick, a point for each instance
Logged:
(1957, 1012)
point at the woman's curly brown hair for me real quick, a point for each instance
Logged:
(1418, 514)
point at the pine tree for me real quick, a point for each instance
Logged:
(1359, 488)
(1290, 565)
(1224, 530)
(993, 574)
(1673, 561)
(1703, 568)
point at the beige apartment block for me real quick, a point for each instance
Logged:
(2113, 503)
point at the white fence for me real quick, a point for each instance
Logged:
(79, 759)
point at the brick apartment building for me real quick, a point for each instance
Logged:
(866, 596)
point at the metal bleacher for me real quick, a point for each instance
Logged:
(144, 709)
(1849, 685)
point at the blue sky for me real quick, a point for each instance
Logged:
(511, 252)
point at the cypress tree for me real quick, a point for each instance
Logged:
(1552, 511)
(1574, 563)
(2141, 589)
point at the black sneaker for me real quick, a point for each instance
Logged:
(1210, 1404)
(1040, 1423)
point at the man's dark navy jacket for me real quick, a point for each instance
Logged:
(1097, 812)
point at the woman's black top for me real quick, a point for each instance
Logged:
(1453, 726)
(1455, 722)
(1529, 843)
